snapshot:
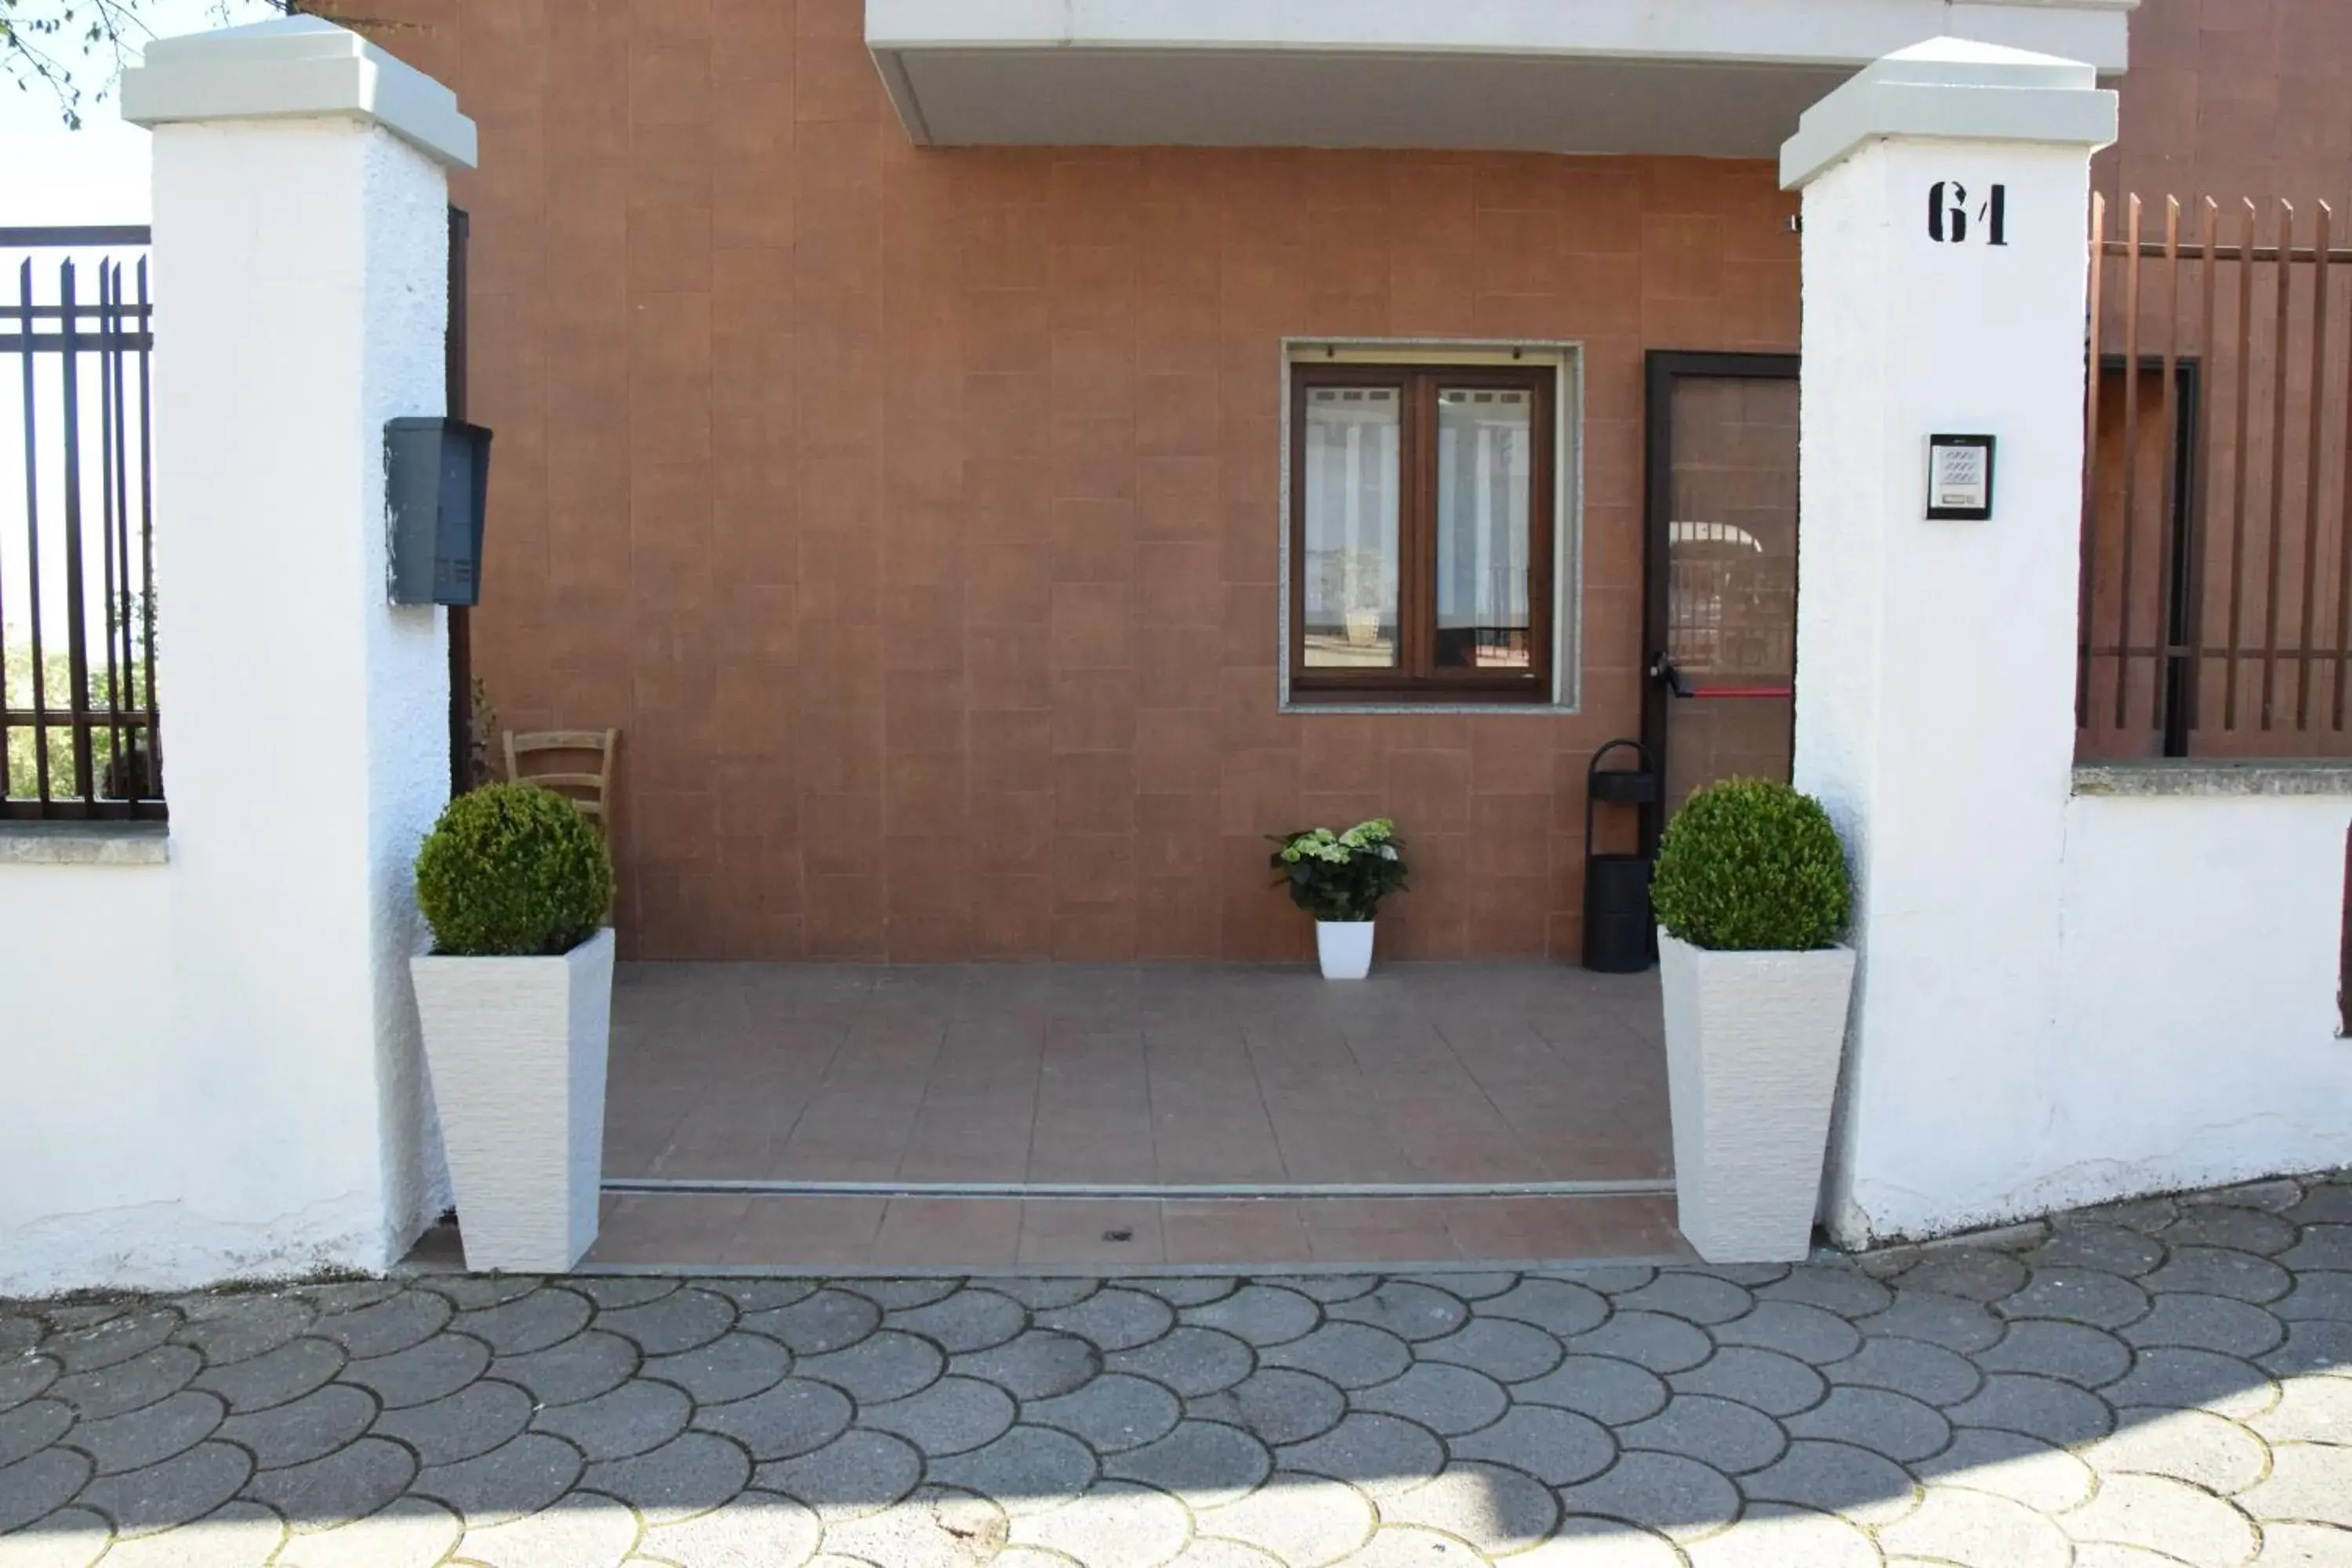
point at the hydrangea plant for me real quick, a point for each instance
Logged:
(1342, 876)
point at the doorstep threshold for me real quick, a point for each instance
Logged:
(1169, 1192)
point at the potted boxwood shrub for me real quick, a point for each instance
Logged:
(1340, 879)
(516, 1000)
(1752, 894)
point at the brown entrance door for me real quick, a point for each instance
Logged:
(1720, 621)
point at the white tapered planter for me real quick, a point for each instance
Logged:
(1753, 1041)
(516, 1050)
(1344, 947)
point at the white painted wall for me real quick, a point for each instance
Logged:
(2060, 999)
(260, 1109)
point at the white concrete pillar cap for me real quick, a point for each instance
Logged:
(1953, 90)
(296, 67)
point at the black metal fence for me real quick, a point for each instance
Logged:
(78, 728)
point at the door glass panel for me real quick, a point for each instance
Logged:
(1353, 487)
(1731, 598)
(1485, 474)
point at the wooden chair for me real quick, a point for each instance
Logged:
(591, 791)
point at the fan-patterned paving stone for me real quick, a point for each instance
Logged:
(387, 1326)
(111, 1339)
(159, 1374)
(430, 1369)
(225, 1329)
(951, 1417)
(792, 1418)
(1414, 1312)
(1493, 1509)
(1558, 1447)
(1834, 1478)
(934, 1528)
(518, 1476)
(634, 1418)
(1664, 1345)
(825, 1320)
(972, 1319)
(2010, 1465)
(1113, 1319)
(1773, 1535)
(1205, 1463)
(1448, 1400)
(1556, 1306)
(1970, 1273)
(1038, 1364)
(39, 1483)
(1188, 1358)
(1697, 1298)
(1728, 1435)
(1950, 1321)
(1881, 1420)
(1259, 1315)
(28, 1379)
(1028, 1468)
(1678, 1496)
(2193, 1446)
(1115, 1521)
(1301, 1520)
(1775, 1383)
(1357, 1355)
(2164, 1515)
(2037, 1406)
(474, 1420)
(580, 1368)
(526, 1323)
(2078, 1296)
(1112, 1413)
(678, 1321)
(857, 1473)
(2106, 1248)
(308, 1428)
(1277, 1404)
(1612, 1392)
(731, 1367)
(2153, 1382)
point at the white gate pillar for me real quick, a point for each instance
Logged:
(1946, 195)
(300, 255)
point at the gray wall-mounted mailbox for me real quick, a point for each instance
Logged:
(437, 486)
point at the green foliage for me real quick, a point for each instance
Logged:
(1342, 876)
(20, 776)
(510, 871)
(1747, 866)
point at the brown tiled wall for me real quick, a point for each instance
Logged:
(2232, 98)
(915, 514)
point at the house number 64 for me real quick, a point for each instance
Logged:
(1950, 214)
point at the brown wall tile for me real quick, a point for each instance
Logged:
(916, 513)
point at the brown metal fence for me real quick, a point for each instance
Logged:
(2216, 615)
(78, 734)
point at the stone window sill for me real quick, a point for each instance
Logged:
(84, 843)
(2177, 776)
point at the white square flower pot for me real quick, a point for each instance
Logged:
(1753, 1041)
(1344, 947)
(516, 1049)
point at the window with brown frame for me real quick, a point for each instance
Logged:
(1421, 533)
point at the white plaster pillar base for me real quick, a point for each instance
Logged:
(301, 260)
(1935, 660)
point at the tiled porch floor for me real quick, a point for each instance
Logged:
(1208, 1115)
(1136, 1075)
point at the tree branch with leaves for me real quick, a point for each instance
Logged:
(75, 50)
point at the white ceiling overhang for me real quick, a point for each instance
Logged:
(1718, 79)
